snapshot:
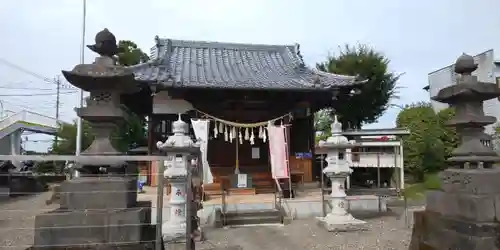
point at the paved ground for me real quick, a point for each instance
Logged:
(17, 220)
(384, 233)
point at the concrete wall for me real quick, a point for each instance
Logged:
(5, 146)
(299, 209)
(370, 160)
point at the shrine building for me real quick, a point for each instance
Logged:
(239, 89)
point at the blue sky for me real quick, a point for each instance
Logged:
(417, 36)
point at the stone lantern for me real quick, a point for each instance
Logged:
(106, 82)
(180, 148)
(465, 210)
(101, 207)
(338, 170)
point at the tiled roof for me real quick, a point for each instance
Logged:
(200, 64)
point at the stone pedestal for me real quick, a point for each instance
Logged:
(338, 170)
(94, 211)
(175, 227)
(463, 215)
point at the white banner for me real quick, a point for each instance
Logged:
(278, 151)
(201, 131)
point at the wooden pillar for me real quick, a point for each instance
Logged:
(312, 145)
(150, 145)
(378, 169)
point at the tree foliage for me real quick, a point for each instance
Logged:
(130, 54)
(322, 122)
(429, 142)
(450, 136)
(374, 96)
(67, 138)
(131, 134)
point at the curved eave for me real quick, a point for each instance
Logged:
(157, 75)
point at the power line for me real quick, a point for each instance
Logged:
(33, 74)
(21, 105)
(26, 105)
(26, 71)
(21, 88)
(44, 94)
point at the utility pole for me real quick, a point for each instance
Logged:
(57, 80)
(58, 100)
(82, 61)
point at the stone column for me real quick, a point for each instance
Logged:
(180, 147)
(338, 170)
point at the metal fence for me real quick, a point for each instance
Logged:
(17, 214)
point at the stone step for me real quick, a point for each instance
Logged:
(253, 217)
(241, 191)
(213, 192)
(265, 190)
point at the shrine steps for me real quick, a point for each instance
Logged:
(264, 184)
(246, 218)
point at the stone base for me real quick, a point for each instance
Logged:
(471, 181)
(129, 246)
(341, 223)
(98, 193)
(62, 227)
(433, 231)
(174, 232)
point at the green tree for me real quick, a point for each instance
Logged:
(130, 54)
(450, 136)
(322, 122)
(131, 134)
(424, 149)
(374, 95)
(67, 138)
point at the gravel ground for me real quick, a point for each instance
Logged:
(383, 233)
(17, 220)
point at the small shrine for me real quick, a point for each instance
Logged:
(229, 94)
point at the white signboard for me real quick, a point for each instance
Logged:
(255, 153)
(242, 180)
